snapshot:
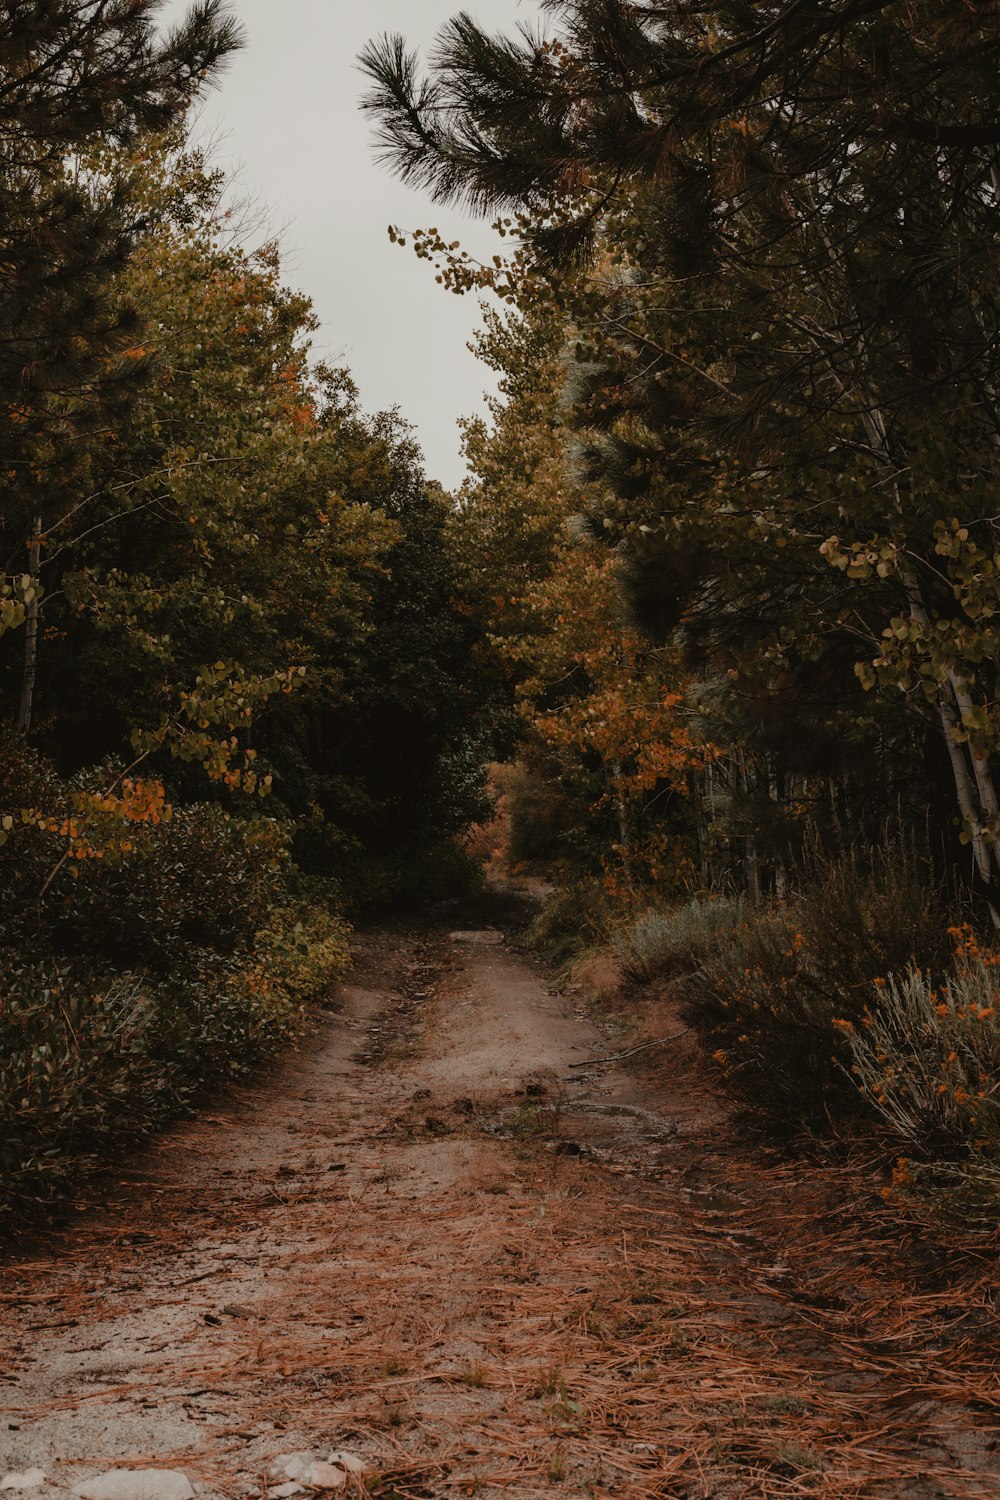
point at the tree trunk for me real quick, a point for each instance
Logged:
(624, 837)
(30, 668)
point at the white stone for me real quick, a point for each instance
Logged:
(349, 1461)
(305, 1469)
(136, 1484)
(293, 1466)
(321, 1476)
(29, 1480)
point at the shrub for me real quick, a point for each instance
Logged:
(87, 1062)
(661, 943)
(928, 1058)
(567, 922)
(769, 1016)
(201, 879)
(862, 921)
(301, 952)
(770, 996)
(185, 955)
(75, 1072)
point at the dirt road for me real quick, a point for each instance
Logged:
(436, 1244)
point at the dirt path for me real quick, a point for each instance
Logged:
(434, 1243)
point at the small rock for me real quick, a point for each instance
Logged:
(292, 1465)
(136, 1484)
(488, 937)
(282, 1491)
(29, 1480)
(323, 1476)
(349, 1461)
(305, 1469)
(236, 1310)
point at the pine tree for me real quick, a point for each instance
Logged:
(76, 75)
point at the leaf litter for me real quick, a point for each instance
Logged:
(668, 1315)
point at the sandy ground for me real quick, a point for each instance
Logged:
(433, 1241)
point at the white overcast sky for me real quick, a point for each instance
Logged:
(286, 116)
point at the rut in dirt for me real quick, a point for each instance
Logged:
(435, 1245)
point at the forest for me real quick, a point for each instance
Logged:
(707, 640)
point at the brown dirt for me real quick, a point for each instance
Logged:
(432, 1241)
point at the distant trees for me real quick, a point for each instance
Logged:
(603, 733)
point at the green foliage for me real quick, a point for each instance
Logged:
(77, 74)
(769, 997)
(202, 879)
(153, 981)
(665, 943)
(569, 918)
(303, 950)
(90, 1063)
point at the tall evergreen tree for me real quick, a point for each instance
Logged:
(75, 75)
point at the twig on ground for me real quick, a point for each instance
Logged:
(645, 1047)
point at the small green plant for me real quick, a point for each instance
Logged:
(555, 1469)
(792, 1406)
(528, 1122)
(791, 1459)
(550, 1380)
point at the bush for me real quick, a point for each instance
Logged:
(769, 998)
(89, 1062)
(768, 1013)
(301, 952)
(201, 879)
(928, 1059)
(567, 922)
(75, 1070)
(186, 955)
(663, 943)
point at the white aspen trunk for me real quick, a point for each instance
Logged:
(749, 841)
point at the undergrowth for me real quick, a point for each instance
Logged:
(855, 1002)
(142, 981)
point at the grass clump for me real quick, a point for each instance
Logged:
(663, 942)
